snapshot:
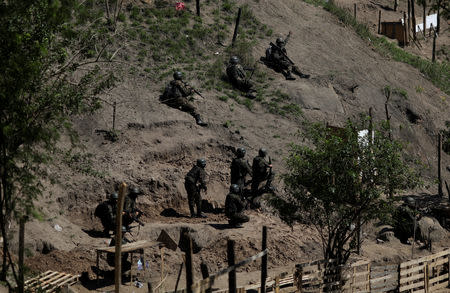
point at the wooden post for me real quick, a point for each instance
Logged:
(414, 232)
(149, 287)
(205, 274)
(162, 267)
(409, 17)
(433, 56)
(197, 2)
(189, 274)
(379, 21)
(236, 27)
(98, 265)
(277, 284)
(20, 285)
(439, 166)
(413, 15)
(300, 279)
(264, 261)
(118, 238)
(424, 17)
(232, 274)
(448, 190)
(114, 115)
(438, 25)
(395, 5)
(354, 10)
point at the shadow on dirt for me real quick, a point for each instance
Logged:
(94, 233)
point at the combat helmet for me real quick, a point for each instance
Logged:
(177, 75)
(114, 196)
(234, 188)
(234, 60)
(280, 42)
(135, 191)
(201, 163)
(240, 152)
(262, 152)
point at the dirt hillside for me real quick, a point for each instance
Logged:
(157, 146)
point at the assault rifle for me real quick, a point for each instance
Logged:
(194, 90)
(284, 54)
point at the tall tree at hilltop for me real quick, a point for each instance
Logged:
(41, 87)
(341, 181)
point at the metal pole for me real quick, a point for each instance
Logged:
(114, 115)
(236, 27)
(379, 22)
(198, 7)
(354, 10)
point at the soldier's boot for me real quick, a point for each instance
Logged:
(201, 215)
(289, 75)
(298, 72)
(199, 120)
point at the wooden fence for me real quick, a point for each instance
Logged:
(425, 274)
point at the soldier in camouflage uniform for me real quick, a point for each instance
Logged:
(130, 212)
(234, 207)
(194, 182)
(239, 169)
(106, 211)
(236, 75)
(276, 55)
(175, 96)
(262, 171)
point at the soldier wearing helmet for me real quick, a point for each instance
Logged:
(236, 76)
(176, 96)
(130, 211)
(234, 207)
(106, 212)
(240, 168)
(193, 183)
(262, 171)
(276, 57)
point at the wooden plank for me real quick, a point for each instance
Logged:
(412, 263)
(52, 279)
(384, 268)
(411, 286)
(40, 279)
(411, 270)
(437, 263)
(375, 280)
(141, 244)
(437, 279)
(411, 279)
(55, 281)
(438, 286)
(436, 255)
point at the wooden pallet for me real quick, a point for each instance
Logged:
(50, 281)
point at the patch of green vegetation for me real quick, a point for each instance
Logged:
(437, 72)
(82, 162)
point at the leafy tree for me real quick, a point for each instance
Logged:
(340, 182)
(41, 87)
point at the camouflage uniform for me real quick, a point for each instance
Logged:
(129, 208)
(276, 55)
(234, 208)
(260, 173)
(175, 96)
(236, 75)
(196, 175)
(110, 257)
(239, 169)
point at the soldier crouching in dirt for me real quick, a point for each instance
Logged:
(277, 58)
(234, 207)
(236, 76)
(194, 182)
(175, 96)
(106, 212)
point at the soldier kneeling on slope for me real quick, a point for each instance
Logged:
(236, 75)
(234, 207)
